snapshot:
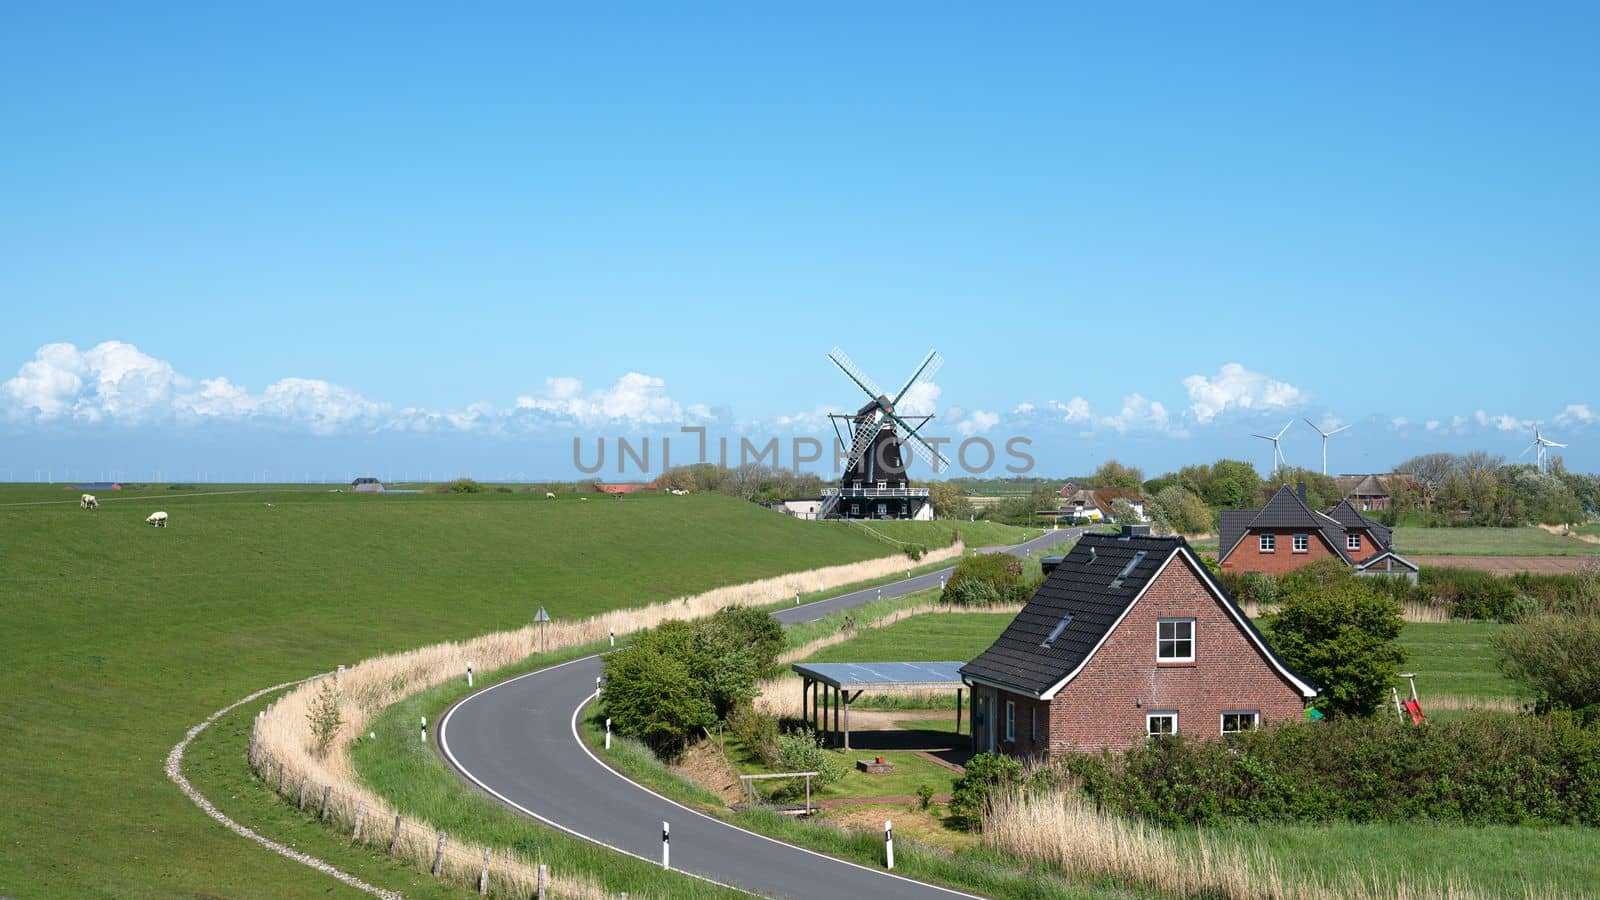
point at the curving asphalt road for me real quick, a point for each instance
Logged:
(518, 741)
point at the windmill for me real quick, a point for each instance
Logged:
(1277, 450)
(1325, 436)
(1542, 444)
(874, 468)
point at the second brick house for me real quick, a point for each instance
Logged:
(1287, 534)
(1128, 637)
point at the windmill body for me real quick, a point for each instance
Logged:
(871, 448)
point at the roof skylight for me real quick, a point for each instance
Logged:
(1121, 576)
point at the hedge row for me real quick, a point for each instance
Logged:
(1481, 770)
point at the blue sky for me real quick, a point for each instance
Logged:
(387, 238)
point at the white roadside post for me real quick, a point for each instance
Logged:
(597, 685)
(608, 734)
(613, 636)
(424, 729)
(666, 846)
(796, 596)
(888, 842)
(469, 674)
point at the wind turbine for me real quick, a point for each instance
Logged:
(1325, 436)
(1277, 451)
(1543, 444)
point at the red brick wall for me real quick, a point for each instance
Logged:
(1369, 547)
(1026, 707)
(1247, 557)
(1105, 705)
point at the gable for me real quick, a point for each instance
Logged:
(1185, 585)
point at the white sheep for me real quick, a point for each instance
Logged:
(158, 519)
(549, 495)
(87, 501)
(584, 499)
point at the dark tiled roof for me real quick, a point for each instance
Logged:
(1347, 515)
(1285, 512)
(1234, 523)
(1082, 586)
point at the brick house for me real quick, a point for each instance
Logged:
(1128, 637)
(1287, 534)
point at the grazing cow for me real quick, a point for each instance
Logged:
(548, 495)
(87, 501)
(158, 519)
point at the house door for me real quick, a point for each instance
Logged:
(983, 723)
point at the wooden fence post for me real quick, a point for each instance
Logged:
(283, 774)
(361, 815)
(394, 840)
(305, 782)
(483, 874)
(438, 856)
(327, 795)
(538, 891)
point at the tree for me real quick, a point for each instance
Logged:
(1431, 470)
(1322, 491)
(324, 714)
(949, 500)
(1557, 656)
(1232, 485)
(1113, 474)
(1180, 510)
(652, 695)
(1124, 513)
(1340, 632)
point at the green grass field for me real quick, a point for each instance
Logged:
(120, 636)
(937, 533)
(1528, 541)
(930, 638)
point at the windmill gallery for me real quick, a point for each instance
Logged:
(867, 448)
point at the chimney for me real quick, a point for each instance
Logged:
(1048, 563)
(1302, 487)
(1135, 531)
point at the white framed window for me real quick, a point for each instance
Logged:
(1302, 543)
(1269, 543)
(883, 485)
(1352, 542)
(1175, 640)
(1011, 720)
(883, 510)
(1238, 722)
(1158, 724)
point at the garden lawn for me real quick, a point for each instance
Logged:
(1456, 659)
(935, 637)
(1526, 541)
(118, 637)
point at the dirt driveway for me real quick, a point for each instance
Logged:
(1509, 565)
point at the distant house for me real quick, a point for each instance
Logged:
(366, 486)
(1287, 534)
(1095, 504)
(799, 507)
(1374, 492)
(628, 488)
(1067, 491)
(1129, 637)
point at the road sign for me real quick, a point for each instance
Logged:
(541, 615)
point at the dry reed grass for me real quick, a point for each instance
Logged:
(283, 749)
(1064, 831)
(1410, 611)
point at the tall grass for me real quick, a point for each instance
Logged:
(1063, 831)
(285, 751)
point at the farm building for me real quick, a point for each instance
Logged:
(1128, 637)
(1375, 492)
(366, 485)
(1094, 504)
(1287, 534)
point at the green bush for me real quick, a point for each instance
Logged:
(713, 664)
(458, 486)
(798, 752)
(970, 592)
(1480, 770)
(757, 731)
(984, 774)
(1341, 632)
(1558, 656)
(1003, 574)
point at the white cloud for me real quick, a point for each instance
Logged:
(977, 422)
(1138, 413)
(1399, 421)
(1235, 387)
(921, 400)
(1576, 413)
(1074, 410)
(1432, 425)
(1502, 422)
(1023, 409)
(114, 382)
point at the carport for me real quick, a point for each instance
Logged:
(828, 689)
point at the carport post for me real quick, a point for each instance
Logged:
(846, 699)
(958, 710)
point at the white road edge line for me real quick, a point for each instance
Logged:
(175, 772)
